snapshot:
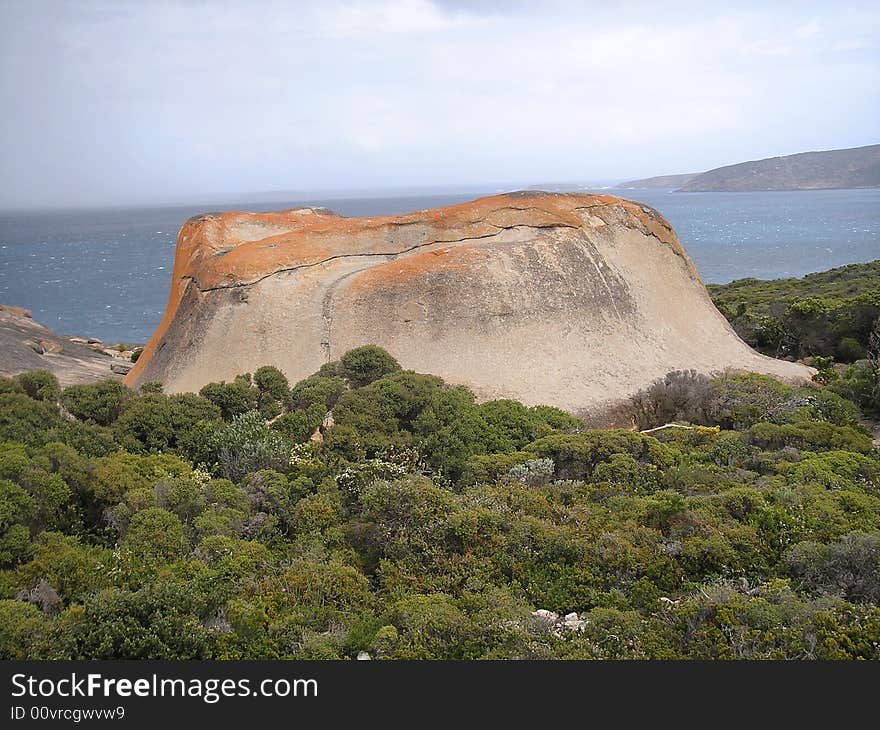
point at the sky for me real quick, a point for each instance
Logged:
(108, 102)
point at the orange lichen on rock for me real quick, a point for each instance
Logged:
(400, 272)
(204, 237)
(313, 238)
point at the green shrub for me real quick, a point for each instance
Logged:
(26, 420)
(849, 349)
(155, 536)
(16, 513)
(155, 422)
(849, 567)
(100, 402)
(811, 435)
(21, 624)
(577, 455)
(247, 445)
(272, 382)
(160, 620)
(860, 383)
(233, 399)
(363, 365)
(10, 385)
(40, 385)
(317, 391)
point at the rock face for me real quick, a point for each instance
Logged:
(565, 299)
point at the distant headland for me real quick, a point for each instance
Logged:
(857, 167)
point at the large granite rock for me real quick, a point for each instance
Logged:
(565, 299)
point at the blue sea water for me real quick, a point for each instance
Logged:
(106, 273)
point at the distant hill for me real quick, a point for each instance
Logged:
(662, 181)
(857, 167)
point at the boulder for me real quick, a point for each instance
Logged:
(570, 300)
(51, 347)
(573, 622)
(545, 616)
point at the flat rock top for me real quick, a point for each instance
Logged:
(219, 250)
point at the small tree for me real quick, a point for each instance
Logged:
(363, 365)
(272, 382)
(825, 372)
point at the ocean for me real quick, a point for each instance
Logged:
(106, 273)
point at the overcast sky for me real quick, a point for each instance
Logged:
(109, 102)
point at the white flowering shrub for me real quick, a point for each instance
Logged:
(247, 445)
(392, 463)
(533, 473)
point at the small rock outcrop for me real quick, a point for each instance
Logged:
(571, 300)
(551, 621)
(29, 345)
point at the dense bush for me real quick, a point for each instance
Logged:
(367, 508)
(734, 401)
(39, 385)
(683, 395)
(363, 365)
(27, 420)
(156, 422)
(247, 445)
(831, 313)
(849, 568)
(860, 383)
(233, 399)
(100, 402)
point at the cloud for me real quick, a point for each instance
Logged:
(389, 17)
(132, 102)
(807, 30)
